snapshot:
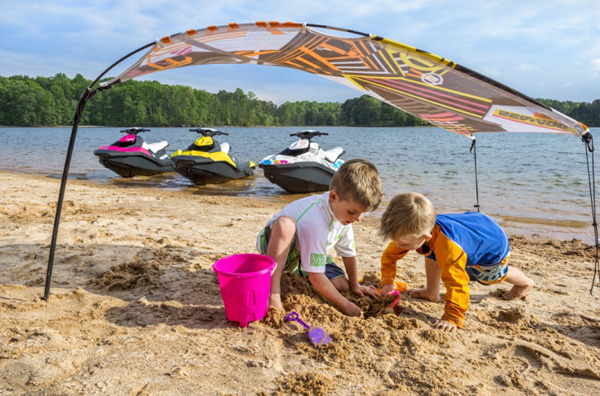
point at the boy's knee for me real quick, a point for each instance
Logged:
(341, 284)
(343, 287)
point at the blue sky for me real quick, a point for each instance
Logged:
(542, 48)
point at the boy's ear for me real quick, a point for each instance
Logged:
(332, 196)
(427, 236)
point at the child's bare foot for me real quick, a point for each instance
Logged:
(518, 291)
(275, 302)
(424, 294)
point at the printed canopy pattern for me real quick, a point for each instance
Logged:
(427, 86)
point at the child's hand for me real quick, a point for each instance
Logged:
(444, 325)
(351, 309)
(387, 289)
(361, 290)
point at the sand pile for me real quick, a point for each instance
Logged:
(136, 309)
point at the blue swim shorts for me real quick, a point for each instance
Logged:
(489, 274)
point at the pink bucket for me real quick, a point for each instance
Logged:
(245, 282)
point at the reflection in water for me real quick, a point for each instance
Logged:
(169, 181)
(252, 186)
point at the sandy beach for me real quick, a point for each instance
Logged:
(136, 309)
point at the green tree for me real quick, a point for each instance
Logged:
(51, 101)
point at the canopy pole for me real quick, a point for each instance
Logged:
(589, 149)
(63, 184)
(473, 150)
(85, 96)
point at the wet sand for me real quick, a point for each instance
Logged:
(136, 309)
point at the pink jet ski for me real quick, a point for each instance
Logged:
(132, 156)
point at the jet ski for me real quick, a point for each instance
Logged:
(132, 156)
(304, 166)
(209, 161)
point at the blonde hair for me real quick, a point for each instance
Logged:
(358, 180)
(409, 214)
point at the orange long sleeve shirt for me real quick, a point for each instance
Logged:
(456, 241)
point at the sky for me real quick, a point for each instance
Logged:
(542, 48)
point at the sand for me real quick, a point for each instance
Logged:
(136, 309)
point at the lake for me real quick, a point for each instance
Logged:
(531, 183)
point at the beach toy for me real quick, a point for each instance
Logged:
(245, 283)
(400, 286)
(316, 335)
(397, 299)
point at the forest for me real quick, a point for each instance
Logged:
(51, 101)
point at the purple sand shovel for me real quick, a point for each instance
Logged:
(316, 335)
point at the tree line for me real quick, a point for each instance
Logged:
(51, 101)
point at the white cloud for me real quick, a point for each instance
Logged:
(514, 41)
(526, 67)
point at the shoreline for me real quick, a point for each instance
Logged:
(537, 227)
(535, 197)
(135, 308)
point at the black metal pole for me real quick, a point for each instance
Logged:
(85, 96)
(474, 150)
(588, 139)
(63, 184)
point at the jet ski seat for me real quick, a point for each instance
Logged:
(225, 147)
(302, 144)
(155, 147)
(333, 154)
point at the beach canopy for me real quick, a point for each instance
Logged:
(427, 86)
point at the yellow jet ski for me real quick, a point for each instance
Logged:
(207, 161)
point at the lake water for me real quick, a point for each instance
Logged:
(530, 183)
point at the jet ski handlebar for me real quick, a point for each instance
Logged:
(208, 132)
(134, 131)
(308, 134)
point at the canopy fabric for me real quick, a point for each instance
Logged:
(427, 86)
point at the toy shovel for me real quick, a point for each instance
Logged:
(396, 301)
(393, 307)
(316, 335)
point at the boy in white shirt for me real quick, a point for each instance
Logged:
(298, 237)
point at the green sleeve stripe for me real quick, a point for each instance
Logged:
(307, 209)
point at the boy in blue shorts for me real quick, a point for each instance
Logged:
(457, 248)
(298, 237)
